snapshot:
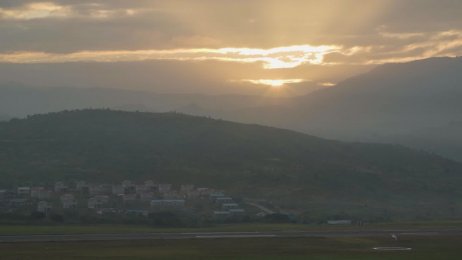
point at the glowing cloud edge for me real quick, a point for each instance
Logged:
(275, 58)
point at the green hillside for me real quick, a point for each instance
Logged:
(293, 170)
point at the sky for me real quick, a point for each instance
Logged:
(287, 47)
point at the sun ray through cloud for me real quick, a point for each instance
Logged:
(274, 58)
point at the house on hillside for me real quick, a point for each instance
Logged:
(340, 222)
(81, 185)
(217, 194)
(222, 200)
(23, 191)
(40, 193)
(163, 188)
(167, 204)
(94, 190)
(60, 187)
(68, 201)
(229, 206)
(97, 201)
(15, 203)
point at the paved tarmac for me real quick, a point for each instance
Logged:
(220, 235)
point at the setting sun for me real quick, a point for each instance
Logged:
(274, 83)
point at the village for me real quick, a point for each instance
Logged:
(123, 199)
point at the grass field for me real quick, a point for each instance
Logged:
(424, 248)
(92, 229)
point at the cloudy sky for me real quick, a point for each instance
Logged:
(218, 46)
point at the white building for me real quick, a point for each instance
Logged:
(339, 222)
(229, 206)
(217, 194)
(165, 204)
(163, 188)
(81, 185)
(97, 201)
(40, 193)
(98, 189)
(68, 201)
(23, 191)
(140, 188)
(60, 186)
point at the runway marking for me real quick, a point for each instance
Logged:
(420, 233)
(234, 236)
(392, 248)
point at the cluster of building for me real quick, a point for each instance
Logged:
(127, 197)
(225, 206)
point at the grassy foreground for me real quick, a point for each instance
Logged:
(424, 248)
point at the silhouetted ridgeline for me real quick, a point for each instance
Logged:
(411, 103)
(294, 170)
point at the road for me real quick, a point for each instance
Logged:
(218, 235)
(260, 207)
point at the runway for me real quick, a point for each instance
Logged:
(221, 235)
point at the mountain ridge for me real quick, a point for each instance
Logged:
(392, 100)
(294, 170)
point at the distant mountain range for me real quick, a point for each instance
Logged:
(400, 103)
(20, 101)
(295, 171)
(415, 104)
(445, 139)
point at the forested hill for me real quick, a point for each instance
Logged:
(289, 168)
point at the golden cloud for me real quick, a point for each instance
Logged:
(35, 11)
(41, 10)
(274, 58)
(273, 82)
(445, 43)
